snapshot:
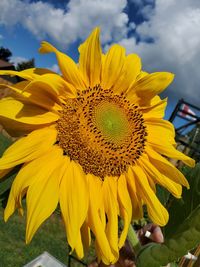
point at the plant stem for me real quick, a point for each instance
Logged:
(133, 240)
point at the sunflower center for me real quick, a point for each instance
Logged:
(101, 131)
(111, 121)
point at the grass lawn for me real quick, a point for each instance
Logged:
(50, 237)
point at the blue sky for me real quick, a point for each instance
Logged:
(166, 34)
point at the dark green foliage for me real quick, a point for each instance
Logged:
(25, 65)
(5, 142)
(5, 54)
(183, 240)
(162, 194)
(180, 209)
(182, 233)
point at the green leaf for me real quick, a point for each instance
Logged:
(5, 183)
(162, 194)
(5, 142)
(180, 209)
(186, 238)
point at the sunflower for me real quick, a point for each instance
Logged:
(94, 140)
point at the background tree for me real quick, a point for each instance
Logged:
(5, 54)
(25, 64)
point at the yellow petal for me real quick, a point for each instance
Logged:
(79, 247)
(141, 75)
(160, 131)
(156, 210)
(94, 220)
(10, 207)
(149, 86)
(23, 117)
(111, 209)
(155, 111)
(130, 71)
(74, 204)
(170, 151)
(90, 59)
(21, 74)
(43, 194)
(165, 167)
(23, 180)
(136, 201)
(36, 96)
(28, 148)
(160, 178)
(152, 183)
(35, 72)
(125, 207)
(54, 85)
(67, 66)
(112, 66)
(25, 113)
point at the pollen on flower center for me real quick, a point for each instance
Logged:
(102, 131)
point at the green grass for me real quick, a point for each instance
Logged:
(50, 237)
(14, 252)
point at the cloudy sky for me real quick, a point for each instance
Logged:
(165, 33)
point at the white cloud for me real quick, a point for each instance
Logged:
(66, 26)
(175, 28)
(16, 60)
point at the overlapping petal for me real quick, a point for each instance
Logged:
(156, 210)
(67, 66)
(94, 220)
(37, 167)
(156, 110)
(128, 75)
(164, 166)
(135, 199)
(160, 131)
(90, 59)
(44, 189)
(112, 66)
(160, 178)
(112, 211)
(149, 86)
(25, 112)
(125, 207)
(28, 148)
(74, 203)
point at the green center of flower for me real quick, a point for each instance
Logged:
(111, 121)
(101, 131)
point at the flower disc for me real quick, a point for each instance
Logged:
(102, 131)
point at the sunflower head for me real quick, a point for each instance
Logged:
(93, 140)
(101, 131)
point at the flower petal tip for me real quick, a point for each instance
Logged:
(27, 240)
(96, 30)
(5, 218)
(169, 76)
(46, 48)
